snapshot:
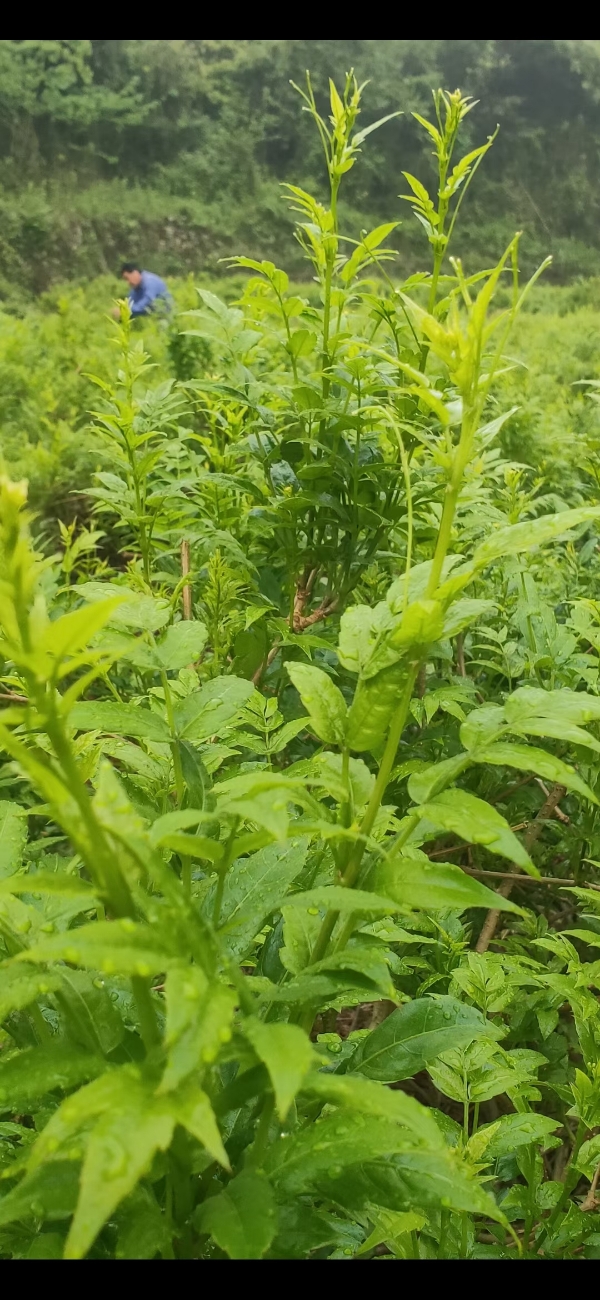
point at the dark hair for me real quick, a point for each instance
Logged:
(130, 266)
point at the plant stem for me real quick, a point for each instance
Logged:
(258, 1149)
(148, 1022)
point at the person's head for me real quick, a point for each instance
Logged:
(131, 272)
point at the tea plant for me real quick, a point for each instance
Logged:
(234, 922)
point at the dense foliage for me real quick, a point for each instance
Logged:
(299, 903)
(173, 150)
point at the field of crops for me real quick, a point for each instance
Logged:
(300, 752)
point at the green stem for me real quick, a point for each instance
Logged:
(41, 1028)
(177, 769)
(148, 1022)
(258, 1150)
(571, 1180)
(223, 869)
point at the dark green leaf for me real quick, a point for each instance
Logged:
(121, 719)
(416, 1034)
(242, 1219)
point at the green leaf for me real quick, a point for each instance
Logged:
(191, 1107)
(120, 1151)
(27, 1077)
(390, 1225)
(92, 1016)
(564, 706)
(199, 1019)
(13, 836)
(19, 988)
(335, 898)
(464, 612)
(181, 645)
(529, 759)
(287, 1053)
(143, 1227)
(359, 629)
(53, 884)
(371, 1098)
(374, 704)
(429, 781)
(295, 1163)
(415, 1034)
(483, 726)
(145, 613)
(324, 701)
(242, 1219)
(254, 888)
(121, 719)
(477, 823)
(49, 1195)
(300, 929)
(413, 880)
(423, 1178)
(214, 706)
(534, 532)
(114, 947)
(513, 1131)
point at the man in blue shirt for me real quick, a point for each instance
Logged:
(147, 290)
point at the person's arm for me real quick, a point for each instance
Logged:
(139, 305)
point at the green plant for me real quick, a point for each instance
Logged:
(235, 921)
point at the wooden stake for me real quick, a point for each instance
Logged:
(187, 589)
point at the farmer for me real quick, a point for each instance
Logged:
(147, 290)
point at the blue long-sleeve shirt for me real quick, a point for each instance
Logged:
(143, 297)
